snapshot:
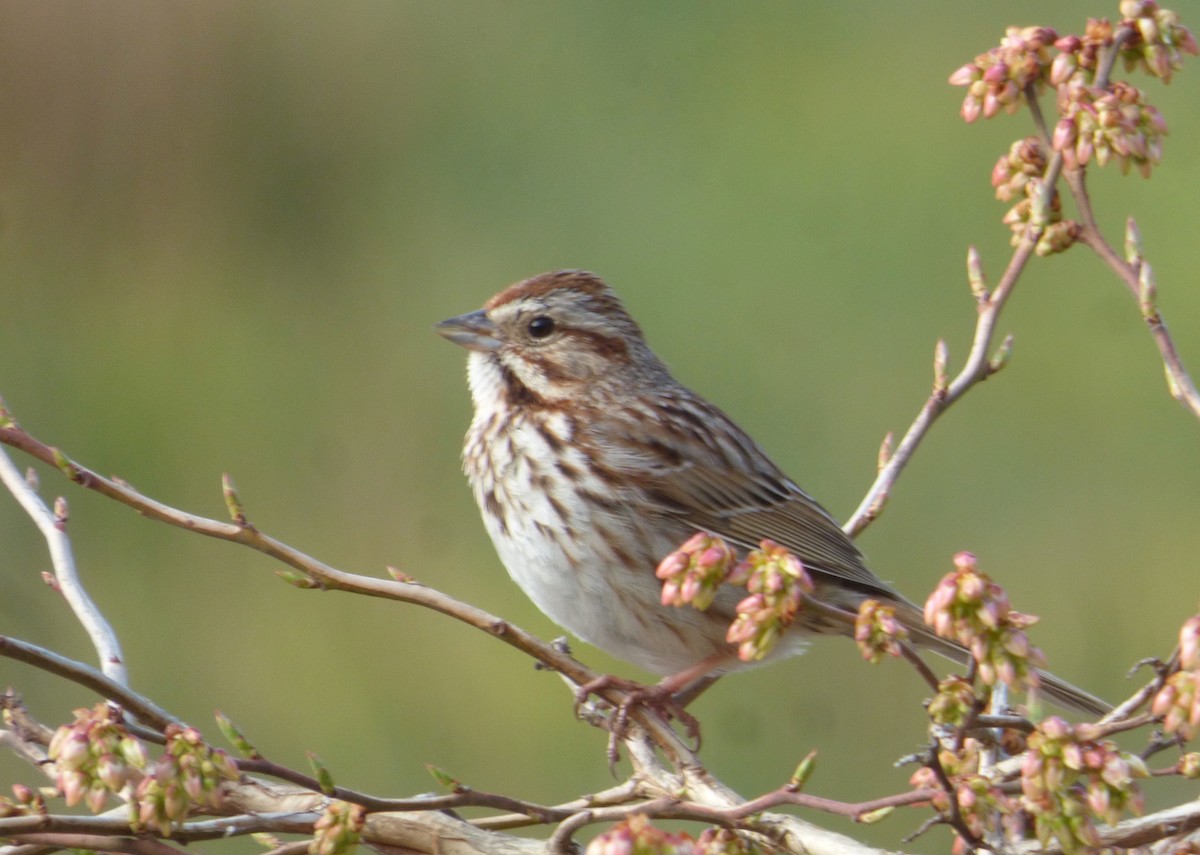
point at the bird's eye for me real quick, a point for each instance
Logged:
(541, 326)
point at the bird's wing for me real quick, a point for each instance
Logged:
(728, 486)
(746, 507)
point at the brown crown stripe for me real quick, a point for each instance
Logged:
(579, 280)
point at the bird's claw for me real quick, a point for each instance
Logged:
(660, 699)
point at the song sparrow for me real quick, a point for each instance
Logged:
(590, 463)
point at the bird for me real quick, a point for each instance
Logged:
(590, 462)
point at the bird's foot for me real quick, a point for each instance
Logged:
(659, 699)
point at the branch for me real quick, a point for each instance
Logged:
(1132, 832)
(1139, 280)
(321, 575)
(1133, 271)
(463, 797)
(113, 824)
(99, 843)
(979, 366)
(318, 574)
(77, 672)
(53, 528)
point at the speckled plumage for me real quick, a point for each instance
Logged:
(590, 463)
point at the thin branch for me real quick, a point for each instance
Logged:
(53, 529)
(323, 575)
(100, 843)
(466, 797)
(329, 578)
(914, 659)
(560, 843)
(1133, 272)
(209, 829)
(1109, 58)
(85, 675)
(954, 816)
(1139, 281)
(978, 367)
(296, 847)
(623, 793)
(1131, 833)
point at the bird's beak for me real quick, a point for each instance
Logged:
(474, 331)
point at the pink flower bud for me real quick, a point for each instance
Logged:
(1148, 27)
(112, 772)
(1155, 118)
(740, 631)
(1017, 643)
(1084, 149)
(672, 565)
(174, 803)
(996, 74)
(943, 625)
(96, 796)
(1099, 801)
(618, 844)
(1001, 172)
(1189, 765)
(971, 109)
(991, 105)
(989, 614)
(22, 794)
(964, 75)
(74, 749)
(1055, 728)
(1072, 756)
(1053, 776)
(1062, 68)
(193, 785)
(987, 673)
(1006, 672)
(1186, 42)
(750, 604)
(1065, 134)
(74, 785)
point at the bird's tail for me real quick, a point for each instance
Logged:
(1055, 689)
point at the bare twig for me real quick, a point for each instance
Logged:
(1134, 272)
(623, 793)
(111, 824)
(914, 659)
(980, 363)
(103, 637)
(465, 798)
(978, 367)
(1132, 832)
(321, 574)
(1139, 280)
(329, 578)
(77, 672)
(100, 843)
(296, 847)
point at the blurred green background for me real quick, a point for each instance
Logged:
(225, 232)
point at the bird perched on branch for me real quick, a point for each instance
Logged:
(590, 463)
